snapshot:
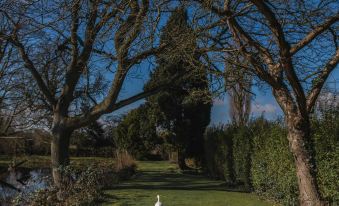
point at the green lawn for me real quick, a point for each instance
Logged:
(175, 189)
(161, 178)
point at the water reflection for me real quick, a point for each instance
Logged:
(24, 181)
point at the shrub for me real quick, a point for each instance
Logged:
(242, 151)
(259, 156)
(125, 164)
(228, 154)
(136, 132)
(218, 153)
(83, 187)
(273, 173)
(326, 139)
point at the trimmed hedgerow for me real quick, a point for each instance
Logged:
(273, 172)
(218, 153)
(228, 154)
(326, 140)
(260, 155)
(242, 151)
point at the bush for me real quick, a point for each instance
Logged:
(259, 157)
(125, 164)
(326, 140)
(242, 151)
(218, 153)
(273, 173)
(82, 188)
(136, 132)
(228, 154)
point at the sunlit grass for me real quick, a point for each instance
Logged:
(176, 189)
(154, 178)
(124, 197)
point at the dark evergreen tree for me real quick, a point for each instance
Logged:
(184, 108)
(136, 133)
(94, 134)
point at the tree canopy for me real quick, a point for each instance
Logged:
(182, 110)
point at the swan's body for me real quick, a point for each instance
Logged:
(158, 203)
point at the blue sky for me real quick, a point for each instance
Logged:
(263, 102)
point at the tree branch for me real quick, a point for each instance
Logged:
(75, 69)
(30, 66)
(314, 33)
(142, 55)
(284, 50)
(80, 121)
(320, 81)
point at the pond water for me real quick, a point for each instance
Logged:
(24, 181)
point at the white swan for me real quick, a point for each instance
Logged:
(158, 203)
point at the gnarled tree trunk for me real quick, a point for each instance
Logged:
(59, 153)
(301, 147)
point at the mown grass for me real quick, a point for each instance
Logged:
(176, 189)
(163, 178)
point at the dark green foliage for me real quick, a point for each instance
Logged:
(262, 160)
(273, 173)
(228, 154)
(242, 149)
(181, 110)
(326, 138)
(95, 134)
(273, 170)
(91, 141)
(136, 133)
(218, 153)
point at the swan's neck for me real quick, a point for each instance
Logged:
(158, 198)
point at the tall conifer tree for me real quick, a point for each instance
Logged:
(183, 108)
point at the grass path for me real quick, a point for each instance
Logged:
(175, 189)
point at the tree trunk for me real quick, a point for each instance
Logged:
(301, 148)
(59, 154)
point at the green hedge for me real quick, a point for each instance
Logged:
(326, 139)
(228, 154)
(218, 153)
(273, 173)
(242, 150)
(259, 157)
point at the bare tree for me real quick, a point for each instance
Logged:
(239, 91)
(10, 98)
(61, 42)
(293, 47)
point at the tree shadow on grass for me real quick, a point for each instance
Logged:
(156, 180)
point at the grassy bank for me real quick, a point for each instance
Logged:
(35, 161)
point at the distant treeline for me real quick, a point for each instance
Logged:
(38, 142)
